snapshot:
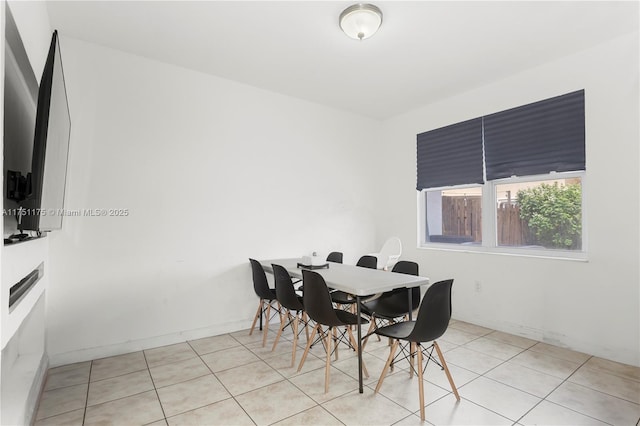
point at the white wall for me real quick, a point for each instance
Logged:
(32, 20)
(591, 307)
(212, 172)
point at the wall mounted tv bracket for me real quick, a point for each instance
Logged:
(19, 187)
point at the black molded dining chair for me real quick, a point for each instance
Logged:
(431, 323)
(368, 261)
(318, 305)
(290, 301)
(392, 305)
(341, 298)
(335, 256)
(267, 299)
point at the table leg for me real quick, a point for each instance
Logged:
(411, 319)
(359, 345)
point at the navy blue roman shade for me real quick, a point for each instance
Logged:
(450, 155)
(537, 138)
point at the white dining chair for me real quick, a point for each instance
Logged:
(389, 253)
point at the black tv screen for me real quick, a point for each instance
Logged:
(43, 209)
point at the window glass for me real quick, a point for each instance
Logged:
(540, 214)
(454, 215)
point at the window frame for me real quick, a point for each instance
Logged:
(489, 242)
(422, 207)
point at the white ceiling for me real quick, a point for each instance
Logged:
(424, 51)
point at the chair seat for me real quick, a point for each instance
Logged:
(301, 304)
(398, 330)
(342, 298)
(273, 292)
(384, 309)
(301, 288)
(348, 318)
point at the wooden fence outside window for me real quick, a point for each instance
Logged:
(462, 216)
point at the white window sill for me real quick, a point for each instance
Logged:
(576, 256)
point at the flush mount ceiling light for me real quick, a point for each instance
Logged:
(360, 21)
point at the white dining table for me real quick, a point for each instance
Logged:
(358, 281)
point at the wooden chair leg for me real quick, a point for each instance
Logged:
(446, 370)
(420, 382)
(266, 325)
(255, 319)
(306, 351)
(280, 313)
(412, 351)
(295, 340)
(352, 339)
(282, 324)
(365, 372)
(372, 324)
(328, 365)
(335, 339)
(392, 352)
(305, 318)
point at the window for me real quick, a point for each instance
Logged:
(454, 215)
(524, 167)
(540, 214)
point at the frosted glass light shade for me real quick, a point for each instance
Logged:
(360, 21)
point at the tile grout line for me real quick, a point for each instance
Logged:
(541, 399)
(116, 376)
(483, 375)
(144, 355)
(287, 379)
(86, 401)
(37, 407)
(504, 384)
(231, 396)
(560, 405)
(480, 375)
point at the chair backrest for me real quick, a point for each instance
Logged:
(260, 283)
(406, 267)
(390, 252)
(335, 256)
(368, 261)
(434, 314)
(285, 293)
(399, 296)
(317, 300)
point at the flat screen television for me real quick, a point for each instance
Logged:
(43, 208)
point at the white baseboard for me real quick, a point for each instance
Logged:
(36, 390)
(98, 352)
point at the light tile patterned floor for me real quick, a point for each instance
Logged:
(232, 380)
